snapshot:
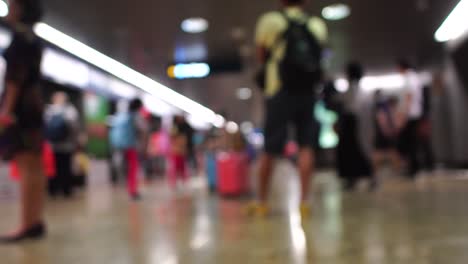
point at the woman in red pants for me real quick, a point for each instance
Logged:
(177, 158)
(124, 135)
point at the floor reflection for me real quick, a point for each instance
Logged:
(403, 223)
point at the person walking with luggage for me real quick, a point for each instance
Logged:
(21, 113)
(125, 133)
(289, 45)
(62, 130)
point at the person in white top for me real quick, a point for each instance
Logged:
(64, 145)
(411, 113)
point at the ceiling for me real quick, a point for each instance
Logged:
(146, 34)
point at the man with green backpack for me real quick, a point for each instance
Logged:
(289, 45)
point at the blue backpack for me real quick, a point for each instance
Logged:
(57, 129)
(123, 132)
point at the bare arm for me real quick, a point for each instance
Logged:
(402, 115)
(10, 99)
(261, 54)
(11, 96)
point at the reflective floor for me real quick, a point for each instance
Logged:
(417, 223)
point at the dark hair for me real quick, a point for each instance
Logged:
(293, 2)
(31, 11)
(404, 64)
(135, 105)
(354, 71)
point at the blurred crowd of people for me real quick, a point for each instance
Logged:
(401, 126)
(290, 46)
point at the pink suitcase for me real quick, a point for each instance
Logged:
(233, 170)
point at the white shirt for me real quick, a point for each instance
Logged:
(413, 87)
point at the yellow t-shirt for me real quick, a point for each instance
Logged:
(269, 29)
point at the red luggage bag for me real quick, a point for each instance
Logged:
(233, 170)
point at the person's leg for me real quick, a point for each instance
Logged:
(183, 170)
(60, 171)
(305, 124)
(265, 174)
(132, 172)
(52, 186)
(428, 154)
(172, 171)
(395, 159)
(32, 187)
(67, 174)
(346, 152)
(306, 167)
(413, 149)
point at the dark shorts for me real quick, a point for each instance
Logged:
(285, 110)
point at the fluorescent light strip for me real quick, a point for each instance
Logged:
(455, 25)
(123, 72)
(371, 83)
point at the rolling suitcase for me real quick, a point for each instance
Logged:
(232, 173)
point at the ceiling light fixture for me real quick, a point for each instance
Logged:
(189, 70)
(371, 83)
(341, 85)
(232, 127)
(336, 12)
(3, 9)
(123, 72)
(244, 93)
(455, 24)
(194, 25)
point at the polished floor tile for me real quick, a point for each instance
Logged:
(419, 223)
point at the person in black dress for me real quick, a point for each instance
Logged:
(21, 107)
(352, 161)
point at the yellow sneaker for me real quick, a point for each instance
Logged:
(305, 210)
(257, 209)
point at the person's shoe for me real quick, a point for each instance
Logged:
(35, 232)
(305, 210)
(257, 209)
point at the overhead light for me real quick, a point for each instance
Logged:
(336, 12)
(232, 127)
(244, 93)
(371, 83)
(455, 24)
(342, 85)
(3, 9)
(219, 121)
(123, 72)
(195, 25)
(247, 127)
(57, 66)
(188, 70)
(390, 81)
